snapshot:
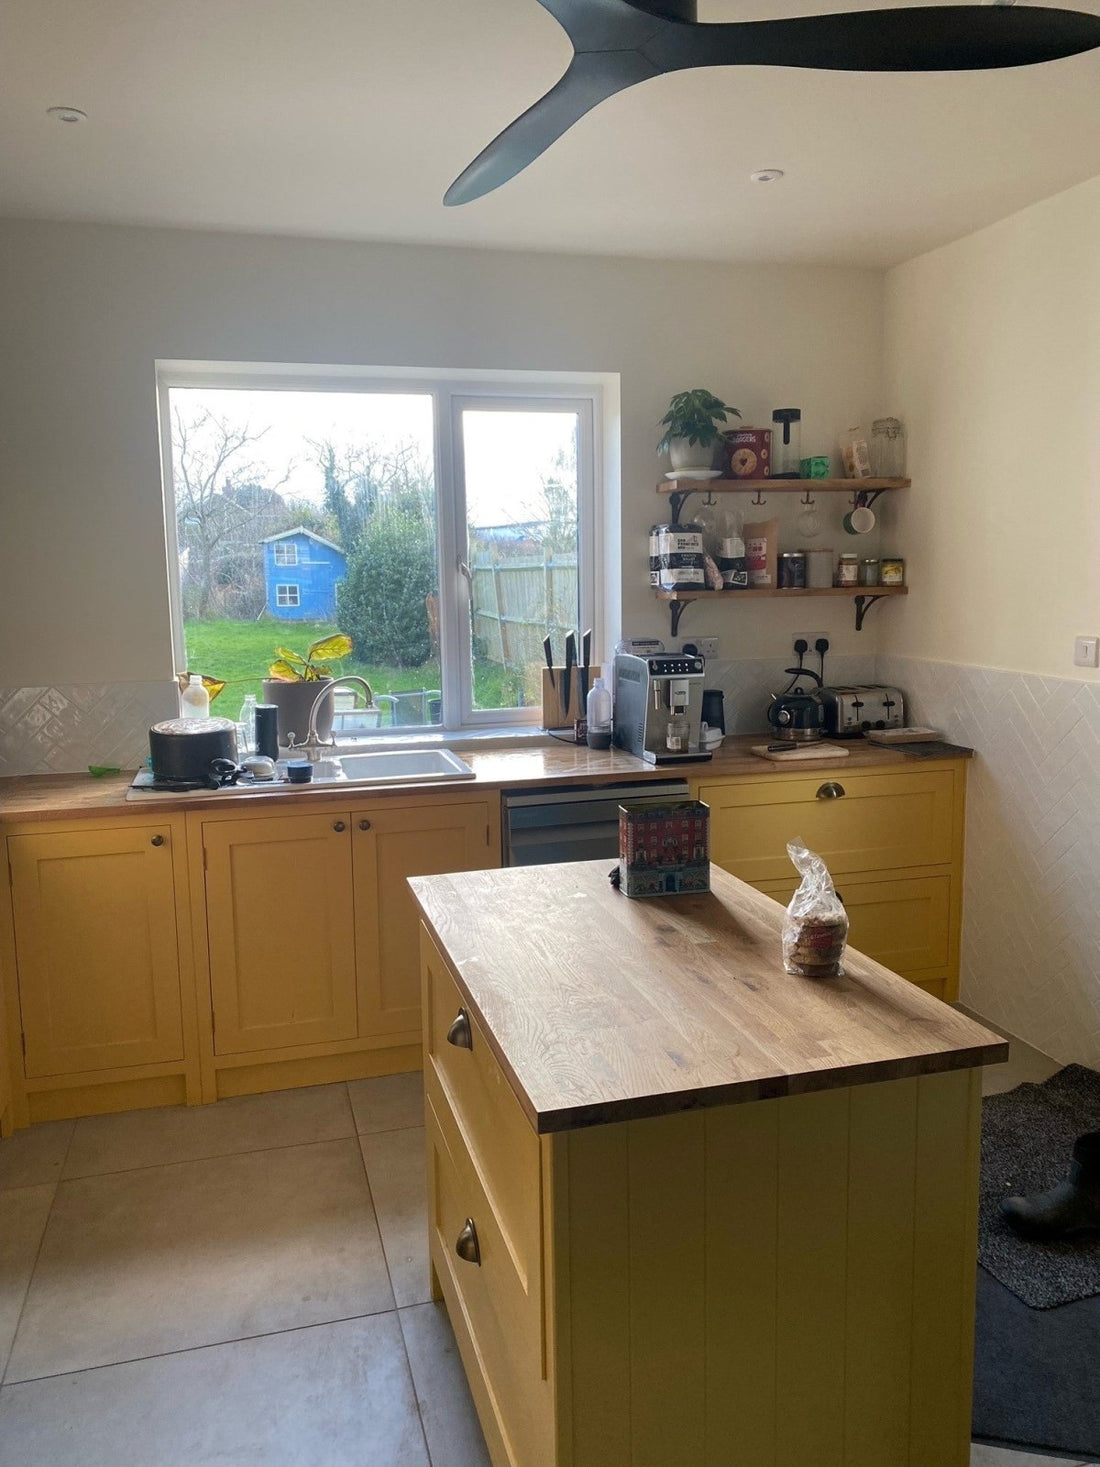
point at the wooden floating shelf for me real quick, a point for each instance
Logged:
(779, 486)
(851, 591)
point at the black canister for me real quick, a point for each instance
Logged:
(267, 730)
(714, 709)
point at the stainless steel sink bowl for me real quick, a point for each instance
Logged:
(396, 766)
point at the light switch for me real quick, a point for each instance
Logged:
(1086, 652)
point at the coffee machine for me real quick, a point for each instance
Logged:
(659, 707)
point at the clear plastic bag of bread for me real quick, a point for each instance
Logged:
(815, 929)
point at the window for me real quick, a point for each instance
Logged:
(447, 526)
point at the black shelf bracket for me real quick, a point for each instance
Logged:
(863, 606)
(676, 610)
(676, 500)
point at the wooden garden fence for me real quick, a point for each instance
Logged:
(516, 603)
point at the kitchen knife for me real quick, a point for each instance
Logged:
(586, 663)
(567, 675)
(549, 655)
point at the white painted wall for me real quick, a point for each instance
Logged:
(88, 309)
(993, 360)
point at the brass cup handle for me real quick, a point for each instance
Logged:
(830, 790)
(460, 1034)
(338, 826)
(157, 840)
(467, 1246)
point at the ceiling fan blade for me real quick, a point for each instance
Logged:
(916, 38)
(592, 77)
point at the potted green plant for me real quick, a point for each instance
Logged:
(693, 427)
(293, 683)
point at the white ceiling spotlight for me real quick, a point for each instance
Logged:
(67, 114)
(767, 175)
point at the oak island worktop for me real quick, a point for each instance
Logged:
(685, 1208)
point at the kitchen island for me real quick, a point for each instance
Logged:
(683, 1207)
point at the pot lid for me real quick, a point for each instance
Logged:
(194, 726)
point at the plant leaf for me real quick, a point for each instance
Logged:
(288, 656)
(318, 670)
(213, 686)
(282, 672)
(338, 645)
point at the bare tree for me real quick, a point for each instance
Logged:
(364, 478)
(224, 507)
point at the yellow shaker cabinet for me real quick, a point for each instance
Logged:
(390, 844)
(96, 948)
(281, 931)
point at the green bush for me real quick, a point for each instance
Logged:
(381, 603)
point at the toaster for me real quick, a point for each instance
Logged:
(849, 712)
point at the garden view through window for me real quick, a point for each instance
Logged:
(300, 513)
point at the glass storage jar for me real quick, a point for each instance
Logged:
(887, 449)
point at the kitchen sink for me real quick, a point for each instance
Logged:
(396, 766)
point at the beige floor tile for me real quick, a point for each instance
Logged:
(167, 1258)
(188, 1133)
(983, 1456)
(397, 1172)
(446, 1406)
(23, 1214)
(388, 1102)
(336, 1395)
(35, 1154)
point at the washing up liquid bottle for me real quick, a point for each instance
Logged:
(194, 700)
(598, 712)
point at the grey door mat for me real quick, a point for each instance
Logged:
(1027, 1140)
(1035, 1374)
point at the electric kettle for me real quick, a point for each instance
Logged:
(795, 715)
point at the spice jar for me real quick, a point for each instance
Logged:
(869, 572)
(847, 570)
(893, 571)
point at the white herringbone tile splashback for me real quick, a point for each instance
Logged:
(1031, 918)
(61, 730)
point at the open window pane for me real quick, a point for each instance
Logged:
(522, 533)
(300, 513)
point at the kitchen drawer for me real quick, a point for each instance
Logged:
(879, 822)
(502, 1145)
(905, 924)
(497, 1321)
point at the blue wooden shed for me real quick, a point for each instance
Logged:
(301, 573)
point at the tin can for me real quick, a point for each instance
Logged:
(749, 453)
(892, 571)
(819, 568)
(792, 570)
(869, 572)
(847, 570)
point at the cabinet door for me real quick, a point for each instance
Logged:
(903, 924)
(281, 931)
(855, 821)
(391, 844)
(95, 935)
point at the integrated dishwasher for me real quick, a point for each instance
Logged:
(574, 823)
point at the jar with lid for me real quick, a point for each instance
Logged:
(847, 569)
(786, 443)
(893, 570)
(887, 449)
(792, 570)
(869, 571)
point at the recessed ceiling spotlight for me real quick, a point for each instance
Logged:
(67, 114)
(766, 175)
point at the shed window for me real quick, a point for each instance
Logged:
(287, 595)
(286, 553)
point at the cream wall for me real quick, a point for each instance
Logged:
(993, 359)
(88, 310)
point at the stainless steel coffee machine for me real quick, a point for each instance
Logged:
(659, 706)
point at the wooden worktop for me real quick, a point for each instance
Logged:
(65, 796)
(602, 1008)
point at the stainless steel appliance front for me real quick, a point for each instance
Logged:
(542, 826)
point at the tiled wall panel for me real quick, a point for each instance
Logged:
(61, 730)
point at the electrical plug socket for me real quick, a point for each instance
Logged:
(700, 646)
(801, 646)
(821, 645)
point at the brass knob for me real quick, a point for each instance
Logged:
(460, 1034)
(157, 840)
(830, 790)
(338, 825)
(364, 825)
(467, 1246)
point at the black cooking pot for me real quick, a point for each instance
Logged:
(194, 751)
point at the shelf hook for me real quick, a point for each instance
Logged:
(808, 498)
(709, 499)
(758, 498)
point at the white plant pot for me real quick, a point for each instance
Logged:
(685, 456)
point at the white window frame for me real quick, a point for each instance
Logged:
(286, 553)
(452, 391)
(282, 595)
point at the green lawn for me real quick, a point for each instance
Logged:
(239, 652)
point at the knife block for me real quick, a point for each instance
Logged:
(554, 712)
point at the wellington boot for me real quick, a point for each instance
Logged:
(1073, 1206)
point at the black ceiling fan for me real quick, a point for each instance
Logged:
(618, 43)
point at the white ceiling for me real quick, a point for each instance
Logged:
(349, 118)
